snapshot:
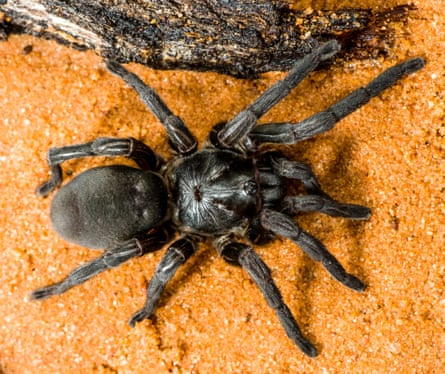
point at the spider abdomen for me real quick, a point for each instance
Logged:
(105, 205)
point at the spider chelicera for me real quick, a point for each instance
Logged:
(229, 192)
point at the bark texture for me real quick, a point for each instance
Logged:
(236, 37)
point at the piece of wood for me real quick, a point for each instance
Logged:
(236, 37)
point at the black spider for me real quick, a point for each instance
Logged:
(229, 192)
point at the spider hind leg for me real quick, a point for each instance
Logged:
(244, 255)
(282, 225)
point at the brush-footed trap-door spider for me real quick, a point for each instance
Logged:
(229, 192)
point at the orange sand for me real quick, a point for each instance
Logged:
(389, 155)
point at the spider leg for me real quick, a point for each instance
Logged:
(181, 139)
(109, 259)
(297, 170)
(128, 147)
(234, 131)
(289, 133)
(281, 224)
(318, 200)
(244, 255)
(316, 203)
(174, 257)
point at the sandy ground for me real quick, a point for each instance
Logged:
(388, 155)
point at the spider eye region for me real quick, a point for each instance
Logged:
(197, 193)
(250, 188)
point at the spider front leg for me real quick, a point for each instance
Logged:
(244, 255)
(235, 131)
(181, 138)
(176, 255)
(131, 148)
(109, 259)
(282, 225)
(291, 133)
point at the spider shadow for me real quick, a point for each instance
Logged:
(351, 184)
(340, 181)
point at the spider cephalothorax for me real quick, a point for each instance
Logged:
(229, 192)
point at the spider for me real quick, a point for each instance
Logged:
(231, 192)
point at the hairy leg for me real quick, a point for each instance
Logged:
(180, 137)
(281, 224)
(176, 255)
(131, 148)
(235, 131)
(110, 258)
(291, 133)
(242, 254)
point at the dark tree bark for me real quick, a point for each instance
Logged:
(237, 37)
